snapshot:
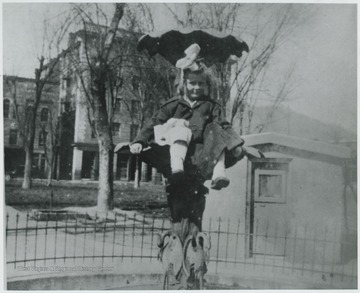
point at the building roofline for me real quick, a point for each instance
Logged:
(28, 79)
(337, 151)
(120, 32)
(19, 78)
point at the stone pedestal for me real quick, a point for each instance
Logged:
(187, 204)
(186, 201)
(144, 172)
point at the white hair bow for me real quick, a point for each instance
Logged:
(188, 62)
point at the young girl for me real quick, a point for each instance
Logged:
(189, 133)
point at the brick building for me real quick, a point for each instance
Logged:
(82, 151)
(77, 147)
(21, 91)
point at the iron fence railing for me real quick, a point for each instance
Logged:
(67, 238)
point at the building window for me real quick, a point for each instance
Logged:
(65, 106)
(270, 185)
(93, 130)
(68, 86)
(6, 108)
(42, 163)
(29, 111)
(36, 159)
(122, 167)
(133, 131)
(42, 138)
(135, 81)
(13, 136)
(44, 115)
(115, 129)
(134, 107)
(270, 179)
(117, 106)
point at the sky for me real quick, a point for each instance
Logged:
(327, 67)
(324, 50)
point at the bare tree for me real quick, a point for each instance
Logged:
(146, 81)
(150, 84)
(281, 95)
(49, 131)
(100, 80)
(240, 86)
(26, 113)
(138, 18)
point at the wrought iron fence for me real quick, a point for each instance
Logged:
(67, 238)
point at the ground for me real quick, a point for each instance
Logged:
(147, 200)
(256, 272)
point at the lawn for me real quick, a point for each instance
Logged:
(148, 200)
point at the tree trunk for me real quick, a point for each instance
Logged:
(241, 118)
(27, 169)
(29, 151)
(137, 173)
(102, 123)
(105, 194)
(50, 175)
(30, 136)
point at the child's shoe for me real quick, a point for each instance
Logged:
(219, 183)
(251, 152)
(219, 179)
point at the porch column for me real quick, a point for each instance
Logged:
(128, 173)
(115, 166)
(156, 176)
(153, 175)
(144, 171)
(95, 168)
(57, 164)
(77, 164)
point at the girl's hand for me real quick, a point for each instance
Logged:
(136, 148)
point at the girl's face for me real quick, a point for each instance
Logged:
(195, 85)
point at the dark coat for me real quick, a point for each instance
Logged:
(204, 112)
(211, 134)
